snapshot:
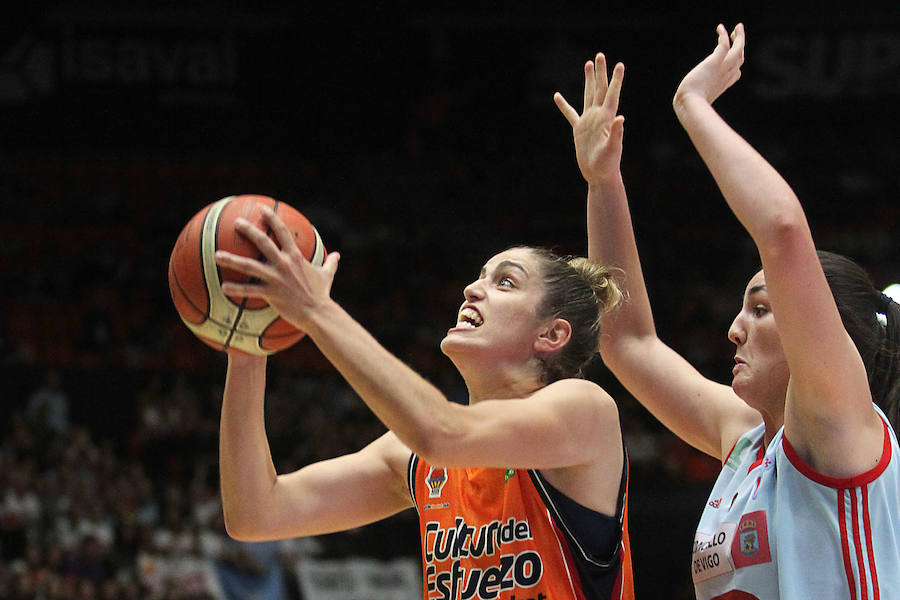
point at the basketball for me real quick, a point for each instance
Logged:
(221, 321)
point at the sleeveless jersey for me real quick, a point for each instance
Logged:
(493, 534)
(775, 528)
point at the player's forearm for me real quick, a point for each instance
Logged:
(404, 401)
(611, 242)
(757, 194)
(245, 462)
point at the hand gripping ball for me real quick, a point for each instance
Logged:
(221, 321)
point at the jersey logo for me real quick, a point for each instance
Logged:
(734, 459)
(436, 479)
(751, 545)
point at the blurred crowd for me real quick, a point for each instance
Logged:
(136, 513)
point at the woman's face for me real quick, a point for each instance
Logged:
(761, 371)
(499, 312)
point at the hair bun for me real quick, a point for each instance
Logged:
(601, 279)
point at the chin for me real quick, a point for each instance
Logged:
(451, 345)
(741, 388)
(744, 391)
(460, 350)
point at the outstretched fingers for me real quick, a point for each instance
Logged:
(611, 99)
(248, 266)
(599, 90)
(242, 264)
(256, 235)
(724, 39)
(601, 79)
(282, 233)
(738, 40)
(331, 264)
(617, 130)
(590, 78)
(565, 108)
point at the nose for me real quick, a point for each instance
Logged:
(473, 291)
(737, 333)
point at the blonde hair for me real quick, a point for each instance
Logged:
(581, 292)
(604, 281)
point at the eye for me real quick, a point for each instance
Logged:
(506, 282)
(760, 311)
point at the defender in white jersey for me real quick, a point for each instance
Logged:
(774, 527)
(805, 505)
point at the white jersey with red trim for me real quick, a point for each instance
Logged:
(775, 528)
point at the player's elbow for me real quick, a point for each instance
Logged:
(432, 447)
(438, 442)
(245, 526)
(783, 230)
(237, 527)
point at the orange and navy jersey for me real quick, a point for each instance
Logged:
(495, 534)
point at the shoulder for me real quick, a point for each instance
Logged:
(582, 403)
(579, 391)
(592, 427)
(393, 453)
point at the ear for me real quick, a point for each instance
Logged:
(553, 337)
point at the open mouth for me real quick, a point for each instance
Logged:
(469, 318)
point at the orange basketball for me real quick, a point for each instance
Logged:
(195, 280)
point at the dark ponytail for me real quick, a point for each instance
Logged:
(872, 320)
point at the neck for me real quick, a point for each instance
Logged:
(773, 420)
(501, 384)
(770, 405)
(771, 430)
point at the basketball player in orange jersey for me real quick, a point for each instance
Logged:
(521, 494)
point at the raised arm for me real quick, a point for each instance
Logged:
(829, 418)
(705, 414)
(259, 504)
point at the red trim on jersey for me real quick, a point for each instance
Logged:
(845, 548)
(728, 454)
(735, 595)
(760, 455)
(857, 544)
(867, 525)
(841, 482)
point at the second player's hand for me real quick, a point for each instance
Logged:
(286, 280)
(598, 130)
(718, 71)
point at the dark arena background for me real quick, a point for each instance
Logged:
(418, 141)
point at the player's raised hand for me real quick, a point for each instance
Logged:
(598, 130)
(718, 71)
(286, 279)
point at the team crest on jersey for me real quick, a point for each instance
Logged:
(751, 545)
(436, 479)
(749, 538)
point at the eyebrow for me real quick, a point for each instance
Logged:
(755, 289)
(505, 264)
